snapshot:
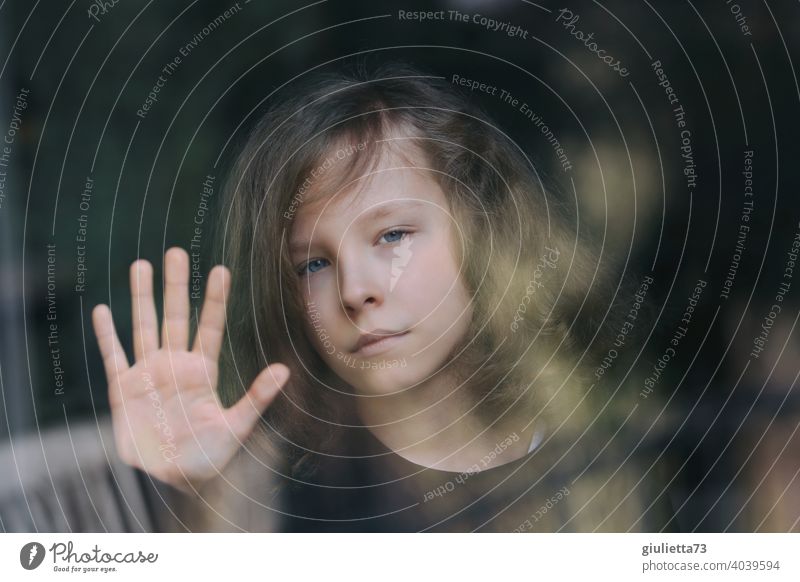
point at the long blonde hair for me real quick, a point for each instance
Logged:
(544, 310)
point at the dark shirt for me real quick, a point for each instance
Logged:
(581, 486)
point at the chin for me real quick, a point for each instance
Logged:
(381, 377)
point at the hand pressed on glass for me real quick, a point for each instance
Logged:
(167, 417)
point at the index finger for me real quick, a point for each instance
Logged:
(210, 332)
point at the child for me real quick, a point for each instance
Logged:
(428, 310)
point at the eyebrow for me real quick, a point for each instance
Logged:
(381, 211)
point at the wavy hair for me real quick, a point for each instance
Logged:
(544, 314)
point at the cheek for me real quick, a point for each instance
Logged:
(320, 297)
(432, 278)
(312, 288)
(321, 329)
(444, 285)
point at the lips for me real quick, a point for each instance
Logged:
(378, 340)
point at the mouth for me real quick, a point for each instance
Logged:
(377, 341)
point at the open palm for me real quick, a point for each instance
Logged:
(167, 417)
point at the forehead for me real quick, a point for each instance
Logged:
(398, 180)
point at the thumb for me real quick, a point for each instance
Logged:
(243, 416)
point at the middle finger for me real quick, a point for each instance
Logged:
(175, 332)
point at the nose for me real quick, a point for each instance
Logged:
(359, 284)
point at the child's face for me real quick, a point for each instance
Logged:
(385, 263)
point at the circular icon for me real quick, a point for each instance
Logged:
(31, 555)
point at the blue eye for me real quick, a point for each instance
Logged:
(310, 265)
(399, 232)
(315, 265)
